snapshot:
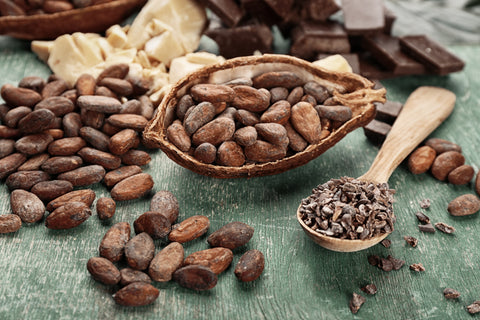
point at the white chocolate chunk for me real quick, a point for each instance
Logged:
(334, 63)
(42, 49)
(116, 36)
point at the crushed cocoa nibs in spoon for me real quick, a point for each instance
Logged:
(349, 208)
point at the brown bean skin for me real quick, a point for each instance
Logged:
(196, 277)
(250, 266)
(135, 157)
(421, 159)
(103, 270)
(123, 141)
(10, 163)
(440, 145)
(49, 190)
(189, 229)
(25, 179)
(231, 236)
(464, 205)
(66, 146)
(166, 262)
(105, 208)
(10, 223)
(477, 183)
(154, 223)
(129, 275)
(136, 294)
(104, 159)
(113, 177)
(445, 162)
(84, 176)
(132, 187)
(139, 251)
(217, 259)
(461, 175)
(27, 206)
(112, 246)
(86, 196)
(68, 216)
(166, 203)
(34, 163)
(60, 164)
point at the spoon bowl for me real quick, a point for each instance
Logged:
(425, 109)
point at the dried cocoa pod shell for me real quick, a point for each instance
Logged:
(95, 18)
(349, 90)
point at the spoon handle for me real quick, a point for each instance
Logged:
(425, 109)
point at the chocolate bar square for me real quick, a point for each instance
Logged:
(387, 112)
(386, 50)
(431, 54)
(363, 16)
(376, 131)
(268, 11)
(311, 38)
(242, 40)
(227, 10)
(318, 10)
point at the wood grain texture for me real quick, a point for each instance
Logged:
(43, 272)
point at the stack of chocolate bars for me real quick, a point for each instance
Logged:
(359, 30)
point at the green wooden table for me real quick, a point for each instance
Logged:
(43, 272)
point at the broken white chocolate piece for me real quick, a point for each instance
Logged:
(42, 49)
(116, 36)
(334, 63)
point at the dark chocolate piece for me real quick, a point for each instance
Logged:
(311, 38)
(318, 10)
(363, 17)
(390, 18)
(387, 112)
(369, 68)
(242, 40)
(352, 59)
(431, 54)
(227, 10)
(376, 131)
(268, 11)
(386, 50)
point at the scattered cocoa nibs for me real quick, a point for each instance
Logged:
(385, 265)
(373, 260)
(474, 307)
(356, 302)
(450, 293)
(445, 228)
(425, 204)
(426, 228)
(370, 289)
(397, 263)
(422, 217)
(386, 243)
(411, 241)
(418, 267)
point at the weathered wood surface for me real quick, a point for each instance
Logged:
(43, 272)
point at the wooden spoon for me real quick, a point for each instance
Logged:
(426, 108)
